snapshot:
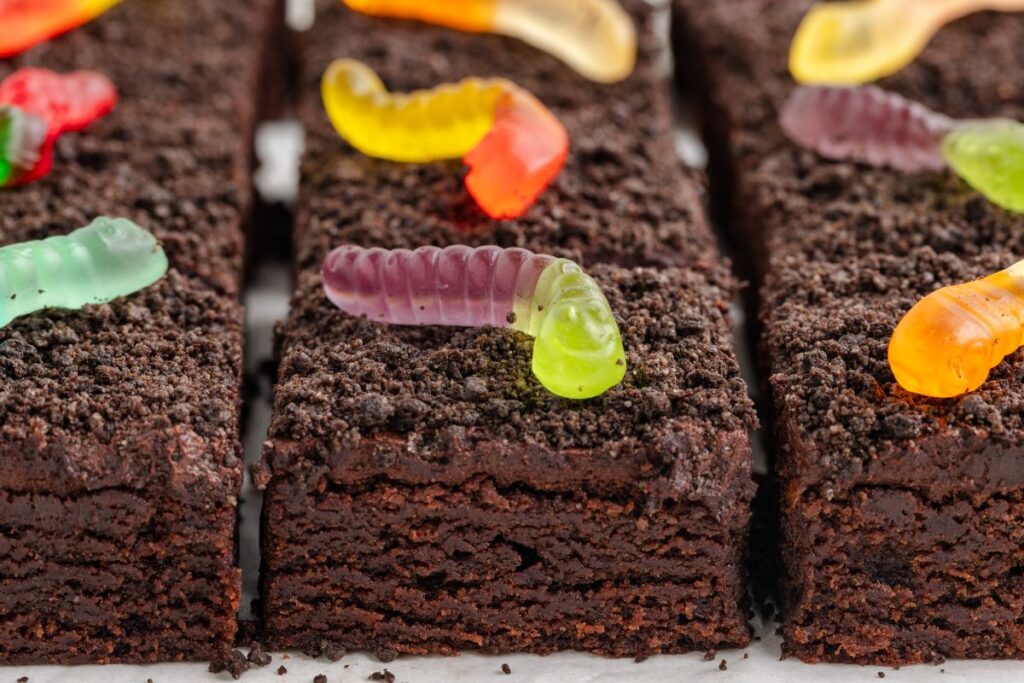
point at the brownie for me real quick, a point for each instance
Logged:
(424, 494)
(901, 516)
(120, 459)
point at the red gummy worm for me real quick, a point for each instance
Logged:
(65, 102)
(518, 158)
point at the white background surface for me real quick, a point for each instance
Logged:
(266, 302)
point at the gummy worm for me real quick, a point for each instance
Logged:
(109, 258)
(848, 43)
(37, 106)
(947, 343)
(29, 22)
(869, 125)
(514, 147)
(595, 37)
(577, 351)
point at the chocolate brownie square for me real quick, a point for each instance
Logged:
(901, 516)
(120, 460)
(424, 493)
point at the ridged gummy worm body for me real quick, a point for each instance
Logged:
(869, 125)
(109, 258)
(866, 124)
(577, 350)
(595, 37)
(950, 340)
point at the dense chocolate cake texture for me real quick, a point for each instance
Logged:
(120, 461)
(901, 516)
(424, 493)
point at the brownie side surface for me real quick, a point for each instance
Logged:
(119, 423)
(433, 466)
(900, 514)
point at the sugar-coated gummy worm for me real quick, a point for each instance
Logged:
(577, 351)
(24, 23)
(848, 43)
(514, 147)
(595, 37)
(869, 125)
(109, 258)
(37, 106)
(950, 340)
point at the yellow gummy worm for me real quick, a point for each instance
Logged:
(417, 127)
(849, 43)
(597, 38)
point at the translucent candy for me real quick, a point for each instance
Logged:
(577, 350)
(950, 340)
(595, 37)
(989, 155)
(871, 126)
(28, 22)
(37, 106)
(848, 43)
(866, 124)
(514, 147)
(109, 258)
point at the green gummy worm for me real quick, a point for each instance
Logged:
(107, 259)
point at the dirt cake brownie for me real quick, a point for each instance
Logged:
(120, 460)
(423, 492)
(902, 517)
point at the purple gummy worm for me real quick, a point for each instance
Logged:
(866, 124)
(457, 285)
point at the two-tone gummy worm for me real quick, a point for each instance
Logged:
(107, 259)
(514, 147)
(36, 107)
(577, 350)
(594, 37)
(848, 43)
(25, 23)
(869, 125)
(950, 340)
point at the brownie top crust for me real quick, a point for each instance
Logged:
(621, 198)
(144, 388)
(847, 250)
(426, 397)
(441, 404)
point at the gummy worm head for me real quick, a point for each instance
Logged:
(29, 22)
(577, 350)
(850, 43)
(989, 155)
(520, 156)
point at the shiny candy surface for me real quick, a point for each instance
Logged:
(37, 106)
(848, 43)
(577, 350)
(950, 340)
(514, 147)
(595, 37)
(866, 124)
(109, 258)
(874, 127)
(26, 23)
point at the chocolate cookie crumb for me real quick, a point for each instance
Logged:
(258, 656)
(384, 675)
(506, 669)
(23, 679)
(232, 661)
(722, 666)
(746, 655)
(881, 674)
(386, 655)
(281, 671)
(710, 655)
(319, 678)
